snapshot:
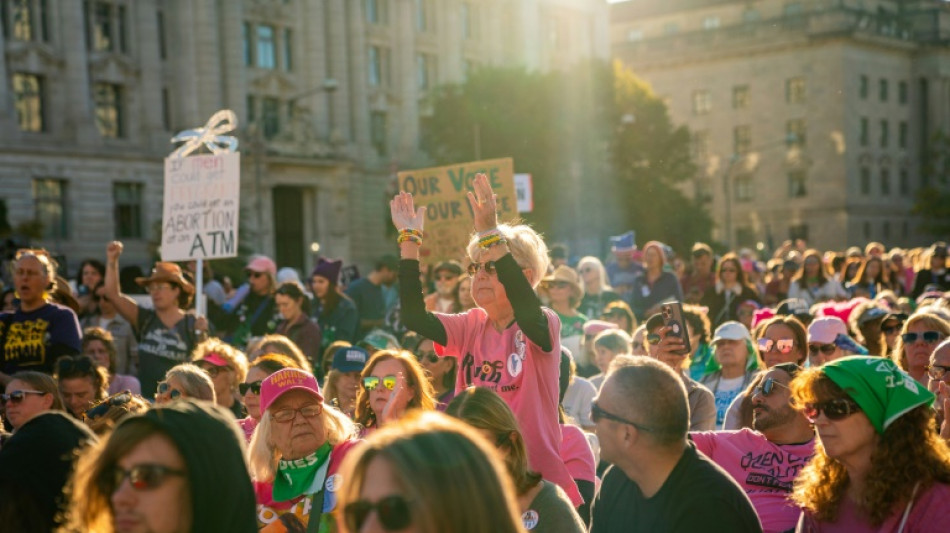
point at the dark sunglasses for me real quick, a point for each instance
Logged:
(837, 409)
(783, 346)
(654, 338)
(487, 266)
(597, 413)
(213, 370)
(890, 330)
(255, 274)
(307, 411)
(826, 349)
(930, 337)
(767, 387)
(143, 477)
(937, 371)
(371, 382)
(428, 357)
(165, 388)
(393, 513)
(254, 387)
(17, 396)
(103, 407)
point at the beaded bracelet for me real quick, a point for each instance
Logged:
(409, 235)
(491, 239)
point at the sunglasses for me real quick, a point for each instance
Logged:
(103, 407)
(428, 357)
(597, 414)
(890, 330)
(837, 409)
(307, 411)
(143, 477)
(213, 370)
(393, 513)
(255, 275)
(826, 349)
(165, 388)
(930, 337)
(254, 387)
(17, 396)
(653, 338)
(937, 371)
(371, 382)
(767, 387)
(783, 346)
(487, 266)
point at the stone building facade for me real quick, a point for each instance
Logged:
(329, 96)
(810, 119)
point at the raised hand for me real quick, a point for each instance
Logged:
(113, 250)
(483, 201)
(404, 213)
(398, 401)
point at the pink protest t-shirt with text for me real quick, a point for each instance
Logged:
(764, 470)
(523, 374)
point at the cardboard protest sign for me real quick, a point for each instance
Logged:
(442, 190)
(200, 212)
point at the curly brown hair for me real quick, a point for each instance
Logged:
(908, 452)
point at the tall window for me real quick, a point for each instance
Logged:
(25, 20)
(902, 92)
(422, 15)
(741, 139)
(377, 130)
(108, 100)
(49, 205)
(266, 51)
(863, 87)
(425, 71)
(885, 181)
(374, 14)
(162, 45)
(740, 97)
(796, 184)
(270, 117)
(287, 57)
(246, 41)
(865, 134)
(904, 181)
(882, 89)
(902, 133)
(795, 90)
(744, 188)
(378, 66)
(127, 217)
(700, 145)
(865, 181)
(106, 26)
(166, 110)
(885, 133)
(795, 132)
(702, 103)
(28, 101)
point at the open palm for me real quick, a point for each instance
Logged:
(404, 214)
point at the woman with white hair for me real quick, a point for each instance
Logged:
(509, 343)
(597, 290)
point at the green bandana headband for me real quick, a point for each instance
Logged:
(882, 390)
(295, 477)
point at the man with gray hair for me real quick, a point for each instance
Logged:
(657, 481)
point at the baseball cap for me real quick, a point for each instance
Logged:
(824, 329)
(262, 263)
(593, 327)
(733, 331)
(350, 359)
(870, 314)
(277, 384)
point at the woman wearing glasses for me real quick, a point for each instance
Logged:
(227, 367)
(597, 290)
(174, 468)
(441, 370)
(263, 366)
(166, 334)
(185, 381)
(881, 465)
(508, 343)
(919, 337)
(393, 383)
(29, 394)
(295, 453)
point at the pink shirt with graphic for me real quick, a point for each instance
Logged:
(764, 470)
(524, 375)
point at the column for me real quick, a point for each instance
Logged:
(78, 119)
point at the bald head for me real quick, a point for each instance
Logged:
(650, 393)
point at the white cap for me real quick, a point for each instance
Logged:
(825, 329)
(733, 331)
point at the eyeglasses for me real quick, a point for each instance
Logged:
(837, 409)
(890, 330)
(288, 414)
(930, 337)
(488, 266)
(103, 407)
(254, 387)
(371, 382)
(767, 387)
(165, 388)
(17, 396)
(155, 287)
(393, 513)
(70, 364)
(213, 370)
(937, 371)
(428, 357)
(826, 349)
(597, 413)
(654, 338)
(255, 275)
(146, 476)
(783, 346)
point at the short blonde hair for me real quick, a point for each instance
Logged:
(235, 358)
(263, 455)
(526, 245)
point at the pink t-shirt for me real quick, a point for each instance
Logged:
(524, 375)
(764, 470)
(576, 453)
(928, 513)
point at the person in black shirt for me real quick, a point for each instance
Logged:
(658, 482)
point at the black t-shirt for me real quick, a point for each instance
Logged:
(698, 496)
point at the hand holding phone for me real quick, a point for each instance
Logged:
(673, 319)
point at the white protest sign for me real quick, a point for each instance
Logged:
(524, 192)
(200, 213)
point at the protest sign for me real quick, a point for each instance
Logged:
(200, 212)
(525, 191)
(442, 190)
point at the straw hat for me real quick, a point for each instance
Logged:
(568, 275)
(169, 272)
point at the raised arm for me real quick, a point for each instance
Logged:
(124, 305)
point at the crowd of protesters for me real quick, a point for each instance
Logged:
(508, 389)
